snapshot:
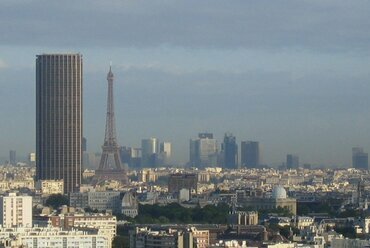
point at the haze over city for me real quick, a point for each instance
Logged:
(293, 75)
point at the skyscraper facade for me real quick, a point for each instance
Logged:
(59, 119)
(250, 154)
(292, 161)
(165, 151)
(166, 147)
(149, 152)
(360, 158)
(204, 151)
(230, 151)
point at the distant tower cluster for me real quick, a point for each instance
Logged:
(59, 119)
(155, 153)
(110, 155)
(204, 152)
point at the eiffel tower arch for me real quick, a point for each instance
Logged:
(110, 155)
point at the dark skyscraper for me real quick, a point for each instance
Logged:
(84, 144)
(292, 161)
(12, 157)
(250, 154)
(230, 151)
(59, 119)
(359, 158)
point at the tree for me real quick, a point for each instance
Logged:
(120, 242)
(175, 213)
(56, 200)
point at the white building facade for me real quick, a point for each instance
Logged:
(15, 210)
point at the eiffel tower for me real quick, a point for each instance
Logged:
(110, 148)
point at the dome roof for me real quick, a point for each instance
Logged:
(279, 193)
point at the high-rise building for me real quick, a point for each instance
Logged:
(85, 155)
(194, 153)
(204, 151)
(149, 152)
(135, 157)
(12, 157)
(359, 158)
(205, 135)
(250, 154)
(125, 154)
(16, 211)
(32, 158)
(292, 161)
(59, 119)
(166, 147)
(165, 152)
(84, 144)
(230, 152)
(149, 146)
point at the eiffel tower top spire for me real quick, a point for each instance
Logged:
(110, 125)
(110, 73)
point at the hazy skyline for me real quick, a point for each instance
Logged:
(293, 75)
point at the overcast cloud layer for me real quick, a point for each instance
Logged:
(292, 74)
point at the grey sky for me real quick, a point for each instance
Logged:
(292, 74)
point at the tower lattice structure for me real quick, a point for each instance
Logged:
(106, 170)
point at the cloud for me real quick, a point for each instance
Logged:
(318, 25)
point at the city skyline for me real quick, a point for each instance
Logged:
(293, 77)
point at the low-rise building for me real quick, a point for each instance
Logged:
(278, 199)
(45, 237)
(105, 224)
(130, 206)
(146, 238)
(244, 218)
(169, 237)
(100, 200)
(49, 187)
(349, 243)
(302, 222)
